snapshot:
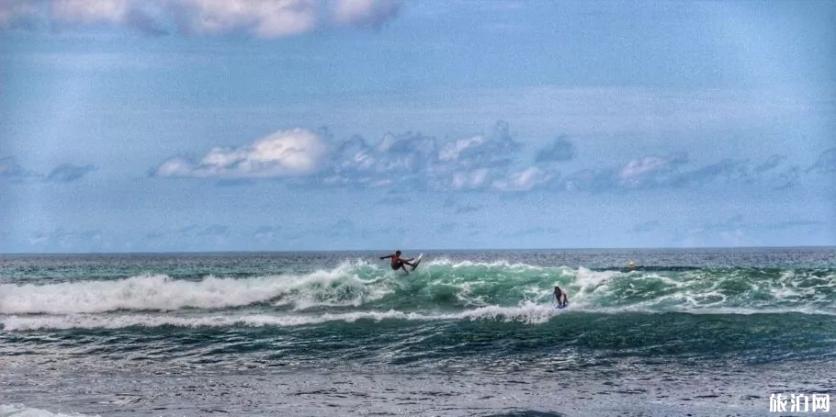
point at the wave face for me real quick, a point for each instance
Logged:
(444, 285)
(297, 300)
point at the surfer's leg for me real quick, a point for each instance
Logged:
(404, 268)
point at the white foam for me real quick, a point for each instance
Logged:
(526, 313)
(19, 410)
(339, 286)
(503, 264)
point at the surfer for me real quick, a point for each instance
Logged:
(560, 297)
(399, 263)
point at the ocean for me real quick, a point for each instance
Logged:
(694, 332)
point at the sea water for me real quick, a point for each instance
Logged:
(706, 332)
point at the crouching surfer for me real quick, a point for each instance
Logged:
(399, 263)
(560, 298)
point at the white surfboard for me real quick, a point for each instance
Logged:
(417, 261)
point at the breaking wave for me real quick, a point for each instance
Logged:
(439, 286)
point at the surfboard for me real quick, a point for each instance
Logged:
(417, 261)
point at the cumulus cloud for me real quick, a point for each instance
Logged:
(372, 13)
(649, 170)
(16, 11)
(284, 153)
(89, 12)
(525, 180)
(69, 172)
(415, 160)
(674, 171)
(261, 18)
(492, 161)
(396, 160)
(560, 149)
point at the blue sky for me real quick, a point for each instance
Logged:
(200, 125)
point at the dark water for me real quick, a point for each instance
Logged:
(308, 317)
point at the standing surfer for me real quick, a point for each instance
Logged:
(398, 263)
(560, 297)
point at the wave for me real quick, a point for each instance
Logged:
(340, 286)
(440, 285)
(527, 313)
(18, 410)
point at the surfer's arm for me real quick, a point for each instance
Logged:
(387, 256)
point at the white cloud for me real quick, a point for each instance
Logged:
(371, 13)
(284, 153)
(90, 11)
(524, 180)
(11, 10)
(262, 18)
(638, 167)
(647, 169)
(415, 160)
(470, 180)
(452, 150)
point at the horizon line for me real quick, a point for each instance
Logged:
(209, 252)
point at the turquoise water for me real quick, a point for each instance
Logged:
(488, 312)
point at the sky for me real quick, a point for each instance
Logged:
(257, 125)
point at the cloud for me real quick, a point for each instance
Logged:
(590, 180)
(771, 163)
(16, 11)
(418, 161)
(283, 154)
(492, 161)
(371, 13)
(90, 11)
(673, 171)
(261, 18)
(69, 172)
(726, 169)
(649, 170)
(397, 160)
(525, 180)
(826, 162)
(268, 19)
(12, 171)
(560, 150)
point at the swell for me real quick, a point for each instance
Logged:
(440, 286)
